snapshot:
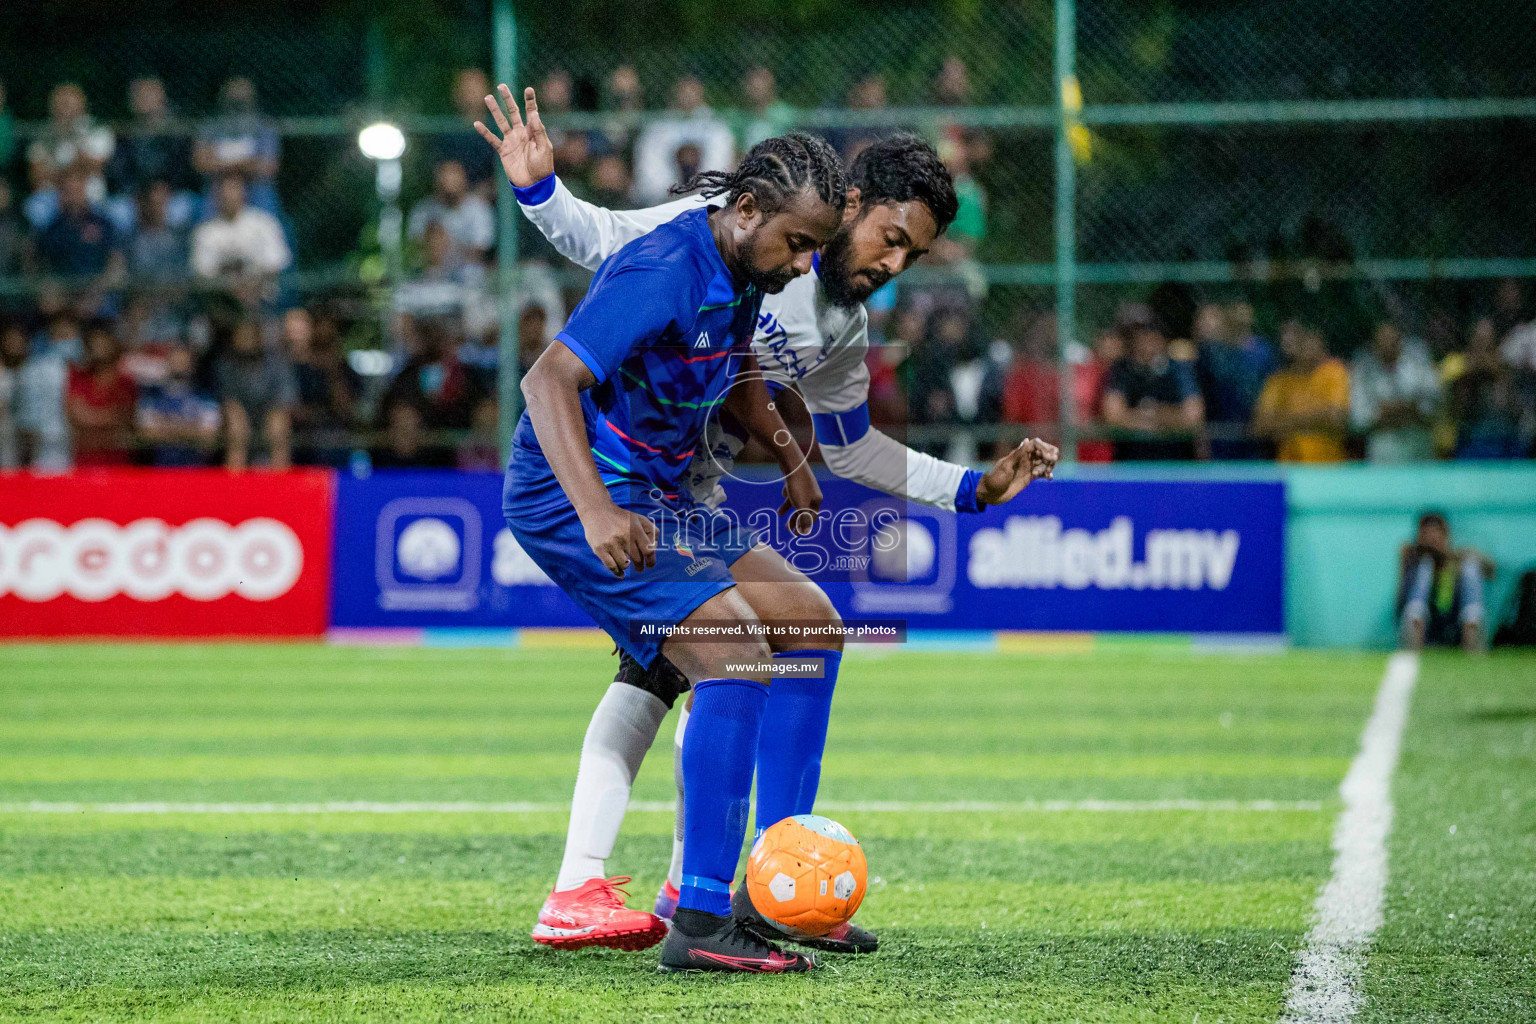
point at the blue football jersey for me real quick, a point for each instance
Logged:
(664, 328)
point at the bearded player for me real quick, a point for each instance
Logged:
(812, 336)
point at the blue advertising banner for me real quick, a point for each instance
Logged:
(431, 549)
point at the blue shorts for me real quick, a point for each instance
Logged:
(694, 553)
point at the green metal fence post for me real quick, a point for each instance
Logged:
(509, 393)
(1069, 105)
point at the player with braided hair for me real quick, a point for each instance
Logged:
(813, 337)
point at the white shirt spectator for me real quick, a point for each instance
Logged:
(656, 151)
(1412, 378)
(471, 224)
(1519, 348)
(251, 243)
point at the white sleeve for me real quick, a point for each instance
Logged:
(587, 234)
(837, 395)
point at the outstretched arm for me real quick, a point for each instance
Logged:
(582, 232)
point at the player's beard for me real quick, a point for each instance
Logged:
(840, 283)
(769, 282)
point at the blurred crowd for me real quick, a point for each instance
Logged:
(1457, 389)
(157, 326)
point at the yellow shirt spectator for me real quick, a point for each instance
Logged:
(1304, 410)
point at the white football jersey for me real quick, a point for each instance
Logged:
(802, 341)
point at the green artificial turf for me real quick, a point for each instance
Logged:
(986, 915)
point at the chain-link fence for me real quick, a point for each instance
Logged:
(1342, 162)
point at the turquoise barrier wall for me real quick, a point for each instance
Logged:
(1347, 524)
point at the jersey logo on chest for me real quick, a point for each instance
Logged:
(702, 341)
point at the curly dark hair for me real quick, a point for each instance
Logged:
(776, 169)
(901, 168)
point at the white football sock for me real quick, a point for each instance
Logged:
(675, 872)
(622, 729)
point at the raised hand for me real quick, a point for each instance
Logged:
(1033, 459)
(525, 150)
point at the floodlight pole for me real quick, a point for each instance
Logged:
(509, 378)
(1069, 105)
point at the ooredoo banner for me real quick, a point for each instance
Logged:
(165, 553)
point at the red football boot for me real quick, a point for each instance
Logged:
(594, 914)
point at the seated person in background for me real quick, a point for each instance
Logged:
(405, 440)
(466, 216)
(80, 243)
(241, 140)
(1393, 394)
(1232, 366)
(1440, 590)
(435, 381)
(257, 391)
(1305, 406)
(180, 422)
(1148, 394)
(100, 402)
(328, 388)
(37, 382)
(241, 245)
(70, 141)
(1491, 414)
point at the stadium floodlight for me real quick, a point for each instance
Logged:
(381, 141)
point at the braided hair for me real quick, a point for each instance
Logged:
(775, 170)
(901, 168)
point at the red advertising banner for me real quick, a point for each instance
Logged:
(165, 553)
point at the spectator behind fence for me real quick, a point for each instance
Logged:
(180, 422)
(1031, 389)
(1440, 590)
(766, 114)
(868, 93)
(1147, 394)
(243, 141)
(1492, 410)
(39, 377)
(435, 380)
(1393, 396)
(243, 247)
(468, 218)
(1232, 365)
(257, 392)
(70, 140)
(1518, 347)
(100, 402)
(465, 147)
(81, 244)
(623, 99)
(328, 388)
(574, 147)
(157, 249)
(689, 122)
(480, 449)
(1304, 407)
(153, 147)
(405, 443)
(953, 377)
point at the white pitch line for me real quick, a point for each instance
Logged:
(1325, 984)
(834, 806)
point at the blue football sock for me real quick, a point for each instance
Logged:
(794, 736)
(718, 751)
